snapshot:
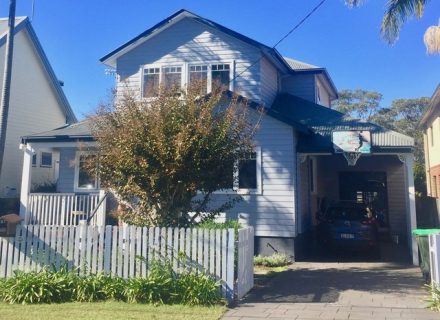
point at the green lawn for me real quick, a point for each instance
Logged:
(107, 310)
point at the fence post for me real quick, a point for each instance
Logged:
(434, 258)
(230, 268)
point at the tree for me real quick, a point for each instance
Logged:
(165, 157)
(359, 104)
(397, 12)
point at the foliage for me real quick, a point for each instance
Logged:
(39, 287)
(420, 179)
(109, 310)
(275, 260)
(397, 12)
(358, 103)
(46, 186)
(162, 286)
(164, 157)
(434, 298)
(227, 224)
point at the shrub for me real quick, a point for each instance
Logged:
(212, 224)
(39, 287)
(94, 288)
(198, 289)
(275, 260)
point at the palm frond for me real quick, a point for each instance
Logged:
(396, 13)
(432, 39)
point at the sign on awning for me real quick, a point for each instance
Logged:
(352, 141)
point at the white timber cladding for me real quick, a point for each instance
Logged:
(271, 212)
(300, 85)
(33, 108)
(189, 42)
(268, 82)
(322, 95)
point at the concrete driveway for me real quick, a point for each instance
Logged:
(339, 290)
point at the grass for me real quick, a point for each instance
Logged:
(262, 270)
(107, 310)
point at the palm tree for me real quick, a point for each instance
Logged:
(396, 14)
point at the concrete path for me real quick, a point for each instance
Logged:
(339, 291)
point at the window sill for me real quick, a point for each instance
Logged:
(242, 192)
(43, 166)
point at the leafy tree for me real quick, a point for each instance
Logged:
(164, 158)
(397, 12)
(359, 104)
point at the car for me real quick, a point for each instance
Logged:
(349, 225)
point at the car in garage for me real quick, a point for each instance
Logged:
(349, 225)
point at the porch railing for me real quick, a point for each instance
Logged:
(64, 209)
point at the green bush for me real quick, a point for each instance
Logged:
(275, 260)
(39, 287)
(212, 224)
(198, 290)
(162, 286)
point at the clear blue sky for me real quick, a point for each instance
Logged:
(75, 34)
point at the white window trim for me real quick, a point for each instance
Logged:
(41, 160)
(245, 191)
(185, 73)
(76, 177)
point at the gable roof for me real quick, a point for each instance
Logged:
(322, 121)
(433, 109)
(110, 58)
(24, 23)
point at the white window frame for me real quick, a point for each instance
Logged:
(244, 191)
(185, 73)
(78, 154)
(160, 66)
(41, 160)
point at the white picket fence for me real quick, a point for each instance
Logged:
(127, 251)
(64, 208)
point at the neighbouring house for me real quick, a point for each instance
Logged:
(430, 124)
(306, 154)
(37, 103)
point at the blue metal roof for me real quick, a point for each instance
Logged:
(322, 121)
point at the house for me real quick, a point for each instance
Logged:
(300, 159)
(37, 103)
(430, 124)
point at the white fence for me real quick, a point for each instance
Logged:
(434, 258)
(64, 208)
(127, 251)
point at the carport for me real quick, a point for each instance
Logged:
(352, 160)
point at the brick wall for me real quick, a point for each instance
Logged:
(434, 174)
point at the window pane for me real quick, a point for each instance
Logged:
(34, 160)
(228, 177)
(247, 172)
(46, 159)
(172, 77)
(220, 75)
(198, 75)
(151, 82)
(87, 179)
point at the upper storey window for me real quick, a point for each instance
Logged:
(151, 82)
(207, 76)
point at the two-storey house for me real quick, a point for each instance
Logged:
(299, 163)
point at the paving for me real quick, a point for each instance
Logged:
(339, 290)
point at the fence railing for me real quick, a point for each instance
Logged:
(127, 252)
(64, 208)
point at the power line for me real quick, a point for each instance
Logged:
(301, 22)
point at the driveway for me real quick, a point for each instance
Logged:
(339, 290)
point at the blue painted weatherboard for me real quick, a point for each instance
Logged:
(300, 85)
(188, 42)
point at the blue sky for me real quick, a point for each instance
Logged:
(75, 34)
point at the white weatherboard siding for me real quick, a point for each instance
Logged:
(268, 83)
(300, 85)
(33, 106)
(272, 212)
(322, 95)
(67, 170)
(188, 42)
